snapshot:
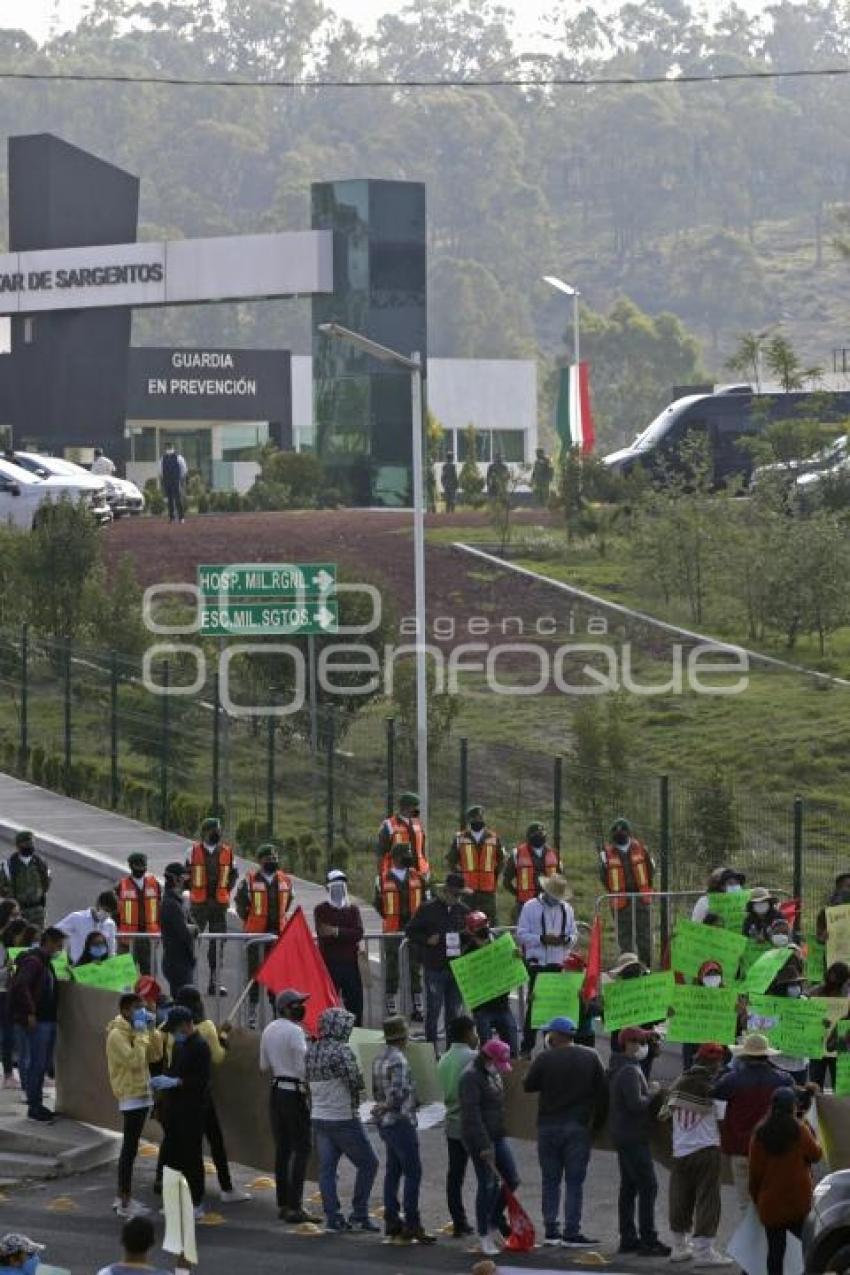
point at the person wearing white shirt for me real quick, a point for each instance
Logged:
(720, 881)
(283, 1053)
(79, 925)
(546, 931)
(102, 464)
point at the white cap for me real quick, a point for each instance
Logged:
(335, 874)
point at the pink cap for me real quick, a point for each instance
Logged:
(498, 1053)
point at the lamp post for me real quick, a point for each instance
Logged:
(413, 365)
(570, 291)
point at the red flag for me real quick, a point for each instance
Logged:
(295, 961)
(789, 909)
(590, 987)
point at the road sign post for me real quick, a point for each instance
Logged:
(268, 599)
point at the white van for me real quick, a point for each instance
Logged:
(23, 494)
(64, 474)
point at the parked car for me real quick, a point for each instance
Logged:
(124, 496)
(23, 494)
(826, 1234)
(821, 461)
(63, 474)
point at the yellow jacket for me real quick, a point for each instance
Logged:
(128, 1057)
(208, 1031)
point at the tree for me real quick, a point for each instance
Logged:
(470, 478)
(746, 359)
(55, 561)
(500, 506)
(713, 836)
(784, 362)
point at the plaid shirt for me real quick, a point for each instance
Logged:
(393, 1087)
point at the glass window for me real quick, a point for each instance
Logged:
(241, 442)
(482, 445)
(143, 443)
(511, 443)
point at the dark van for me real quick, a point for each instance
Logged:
(726, 419)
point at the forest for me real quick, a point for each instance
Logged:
(686, 213)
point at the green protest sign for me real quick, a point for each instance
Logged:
(61, 966)
(694, 944)
(750, 955)
(815, 968)
(761, 974)
(699, 1014)
(556, 996)
(842, 1075)
(117, 974)
(731, 908)
(489, 972)
(796, 1027)
(630, 1002)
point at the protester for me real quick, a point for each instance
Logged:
(132, 1044)
(19, 1254)
(283, 1053)
(139, 904)
(528, 864)
(760, 915)
(137, 1240)
(627, 869)
(572, 1103)
(782, 1152)
(32, 1006)
(336, 1086)
(394, 1114)
(339, 930)
(98, 919)
(25, 877)
(95, 950)
(400, 890)
(788, 984)
(546, 930)
(435, 930)
(482, 1114)
(695, 1202)
(154, 999)
(822, 1070)
(709, 974)
(747, 1089)
(404, 828)
(633, 1105)
(173, 470)
(186, 1085)
(476, 852)
(720, 881)
(449, 482)
(11, 923)
(493, 1017)
(630, 966)
(262, 902)
(212, 877)
(462, 1040)
(178, 944)
(840, 895)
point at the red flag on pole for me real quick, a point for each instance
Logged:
(590, 987)
(295, 961)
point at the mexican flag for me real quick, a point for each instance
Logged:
(573, 413)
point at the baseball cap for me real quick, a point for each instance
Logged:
(290, 996)
(335, 874)
(633, 1036)
(710, 1052)
(14, 1242)
(148, 988)
(564, 1025)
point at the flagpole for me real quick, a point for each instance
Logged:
(235, 1010)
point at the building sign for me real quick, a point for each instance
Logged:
(235, 268)
(221, 385)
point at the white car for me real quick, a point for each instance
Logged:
(23, 494)
(64, 474)
(124, 496)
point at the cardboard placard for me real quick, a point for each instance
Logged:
(702, 1014)
(695, 943)
(556, 996)
(491, 971)
(628, 1002)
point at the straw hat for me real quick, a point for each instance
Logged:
(556, 887)
(761, 895)
(624, 961)
(755, 1046)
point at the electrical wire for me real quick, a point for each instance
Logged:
(546, 81)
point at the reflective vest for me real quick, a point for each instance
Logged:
(198, 890)
(526, 878)
(132, 916)
(479, 861)
(615, 876)
(257, 920)
(391, 899)
(410, 834)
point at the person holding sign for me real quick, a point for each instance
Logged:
(788, 984)
(627, 870)
(833, 987)
(760, 915)
(95, 950)
(839, 897)
(720, 881)
(546, 930)
(494, 1017)
(99, 919)
(132, 1044)
(634, 1105)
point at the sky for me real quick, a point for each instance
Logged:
(36, 16)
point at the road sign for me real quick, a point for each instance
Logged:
(270, 618)
(267, 579)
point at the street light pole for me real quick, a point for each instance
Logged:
(576, 346)
(413, 365)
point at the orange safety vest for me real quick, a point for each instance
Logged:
(615, 876)
(391, 899)
(198, 864)
(400, 834)
(257, 920)
(132, 918)
(526, 881)
(479, 861)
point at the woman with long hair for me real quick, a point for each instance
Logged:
(782, 1152)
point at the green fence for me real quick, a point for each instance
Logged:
(80, 721)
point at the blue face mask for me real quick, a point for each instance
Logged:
(139, 1020)
(98, 952)
(30, 1265)
(179, 1038)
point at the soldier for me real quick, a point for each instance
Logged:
(404, 828)
(399, 891)
(262, 901)
(449, 481)
(139, 905)
(498, 475)
(25, 877)
(528, 863)
(626, 867)
(212, 876)
(541, 477)
(477, 853)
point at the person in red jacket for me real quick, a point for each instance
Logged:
(782, 1152)
(339, 929)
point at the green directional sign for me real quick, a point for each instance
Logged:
(267, 579)
(270, 618)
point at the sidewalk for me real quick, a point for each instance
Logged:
(31, 1150)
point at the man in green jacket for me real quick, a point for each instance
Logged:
(25, 877)
(462, 1040)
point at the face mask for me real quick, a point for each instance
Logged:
(98, 951)
(139, 877)
(641, 1053)
(179, 1038)
(761, 909)
(30, 1266)
(712, 980)
(622, 839)
(537, 839)
(780, 940)
(297, 1013)
(406, 861)
(269, 868)
(338, 894)
(476, 825)
(733, 887)
(25, 852)
(139, 1020)
(212, 839)
(795, 990)
(484, 935)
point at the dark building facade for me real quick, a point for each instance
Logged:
(363, 407)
